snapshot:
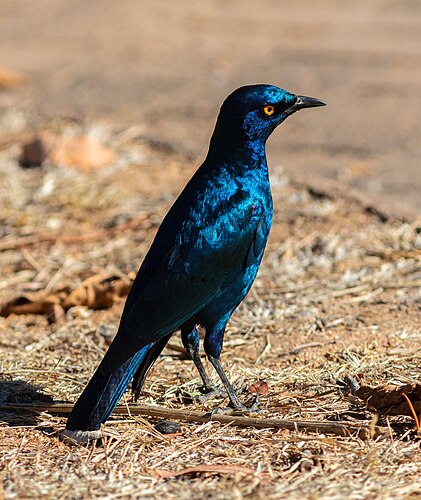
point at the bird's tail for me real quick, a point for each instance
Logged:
(146, 365)
(103, 392)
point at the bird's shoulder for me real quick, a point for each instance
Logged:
(215, 206)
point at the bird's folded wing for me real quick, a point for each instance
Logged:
(189, 277)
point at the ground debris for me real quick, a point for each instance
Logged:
(389, 399)
(260, 387)
(338, 292)
(82, 151)
(97, 292)
(203, 469)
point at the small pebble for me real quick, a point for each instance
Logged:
(168, 427)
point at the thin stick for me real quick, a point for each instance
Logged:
(338, 428)
(36, 239)
(414, 414)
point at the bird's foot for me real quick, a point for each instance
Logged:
(80, 437)
(209, 393)
(253, 407)
(237, 408)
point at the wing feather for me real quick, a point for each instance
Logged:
(168, 293)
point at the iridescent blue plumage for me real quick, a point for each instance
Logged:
(205, 255)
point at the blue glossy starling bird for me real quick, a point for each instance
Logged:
(203, 260)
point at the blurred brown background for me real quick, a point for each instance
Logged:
(166, 67)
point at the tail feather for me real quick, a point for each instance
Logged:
(146, 365)
(102, 394)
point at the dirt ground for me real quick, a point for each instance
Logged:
(166, 68)
(338, 294)
(339, 289)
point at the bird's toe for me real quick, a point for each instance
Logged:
(242, 408)
(237, 409)
(209, 393)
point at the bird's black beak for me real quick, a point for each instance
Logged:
(305, 102)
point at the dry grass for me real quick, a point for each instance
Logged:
(338, 293)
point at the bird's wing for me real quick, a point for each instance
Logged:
(200, 264)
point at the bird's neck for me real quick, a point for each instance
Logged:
(226, 146)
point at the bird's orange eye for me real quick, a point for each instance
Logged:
(269, 110)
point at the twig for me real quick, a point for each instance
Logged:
(19, 277)
(363, 298)
(301, 347)
(414, 413)
(36, 239)
(345, 429)
(359, 298)
(265, 350)
(403, 284)
(31, 260)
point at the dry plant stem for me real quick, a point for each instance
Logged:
(338, 428)
(414, 414)
(36, 239)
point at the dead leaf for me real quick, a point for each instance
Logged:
(31, 303)
(260, 387)
(200, 469)
(389, 400)
(100, 291)
(83, 151)
(283, 433)
(95, 293)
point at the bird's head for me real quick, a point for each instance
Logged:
(252, 113)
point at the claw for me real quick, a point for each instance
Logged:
(255, 404)
(209, 393)
(247, 409)
(220, 411)
(237, 409)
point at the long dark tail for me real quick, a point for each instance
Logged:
(102, 394)
(147, 364)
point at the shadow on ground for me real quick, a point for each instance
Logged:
(18, 392)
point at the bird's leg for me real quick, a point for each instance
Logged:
(213, 347)
(236, 404)
(191, 341)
